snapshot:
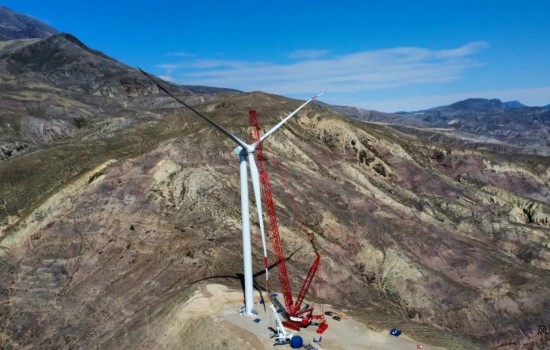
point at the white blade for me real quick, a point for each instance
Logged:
(254, 174)
(273, 129)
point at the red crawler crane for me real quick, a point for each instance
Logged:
(296, 316)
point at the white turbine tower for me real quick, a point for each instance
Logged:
(246, 156)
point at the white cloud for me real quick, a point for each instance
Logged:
(467, 49)
(345, 74)
(180, 54)
(206, 65)
(352, 78)
(171, 66)
(167, 78)
(308, 54)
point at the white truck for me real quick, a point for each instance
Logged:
(282, 336)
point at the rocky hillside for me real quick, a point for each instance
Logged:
(17, 26)
(53, 87)
(116, 206)
(116, 228)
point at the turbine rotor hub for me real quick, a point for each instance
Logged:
(241, 151)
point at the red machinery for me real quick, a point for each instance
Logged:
(296, 315)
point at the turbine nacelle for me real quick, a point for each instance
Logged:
(238, 150)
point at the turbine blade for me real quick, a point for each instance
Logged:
(273, 129)
(207, 119)
(254, 174)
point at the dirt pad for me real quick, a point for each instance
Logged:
(347, 334)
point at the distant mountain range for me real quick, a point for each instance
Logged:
(502, 124)
(484, 105)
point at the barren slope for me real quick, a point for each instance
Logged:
(456, 240)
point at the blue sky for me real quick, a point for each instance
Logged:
(382, 55)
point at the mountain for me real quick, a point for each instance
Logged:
(474, 105)
(56, 85)
(62, 61)
(513, 105)
(118, 207)
(546, 107)
(483, 105)
(65, 62)
(17, 26)
(473, 122)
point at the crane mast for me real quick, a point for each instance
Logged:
(270, 209)
(293, 309)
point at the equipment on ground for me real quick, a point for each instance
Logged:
(296, 342)
(246, 157)
(282, 336)
(340, 314)
(395, 332)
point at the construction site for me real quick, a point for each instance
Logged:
(265, 330)
(273, 313)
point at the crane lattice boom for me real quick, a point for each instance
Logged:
(293, 310)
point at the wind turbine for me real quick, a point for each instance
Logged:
(246, 156)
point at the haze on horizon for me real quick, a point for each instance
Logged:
(389, 56)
